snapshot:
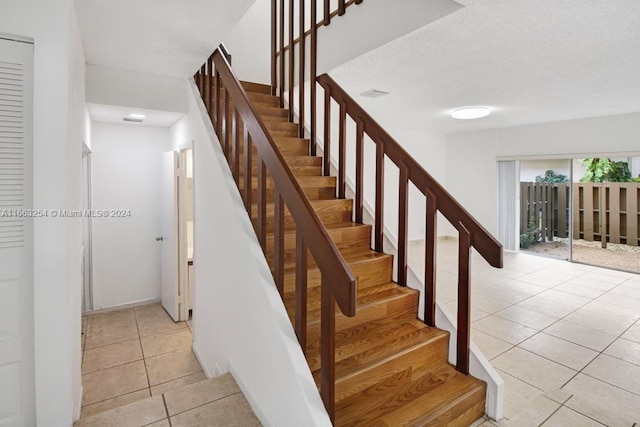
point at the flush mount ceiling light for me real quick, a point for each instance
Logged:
(470, 113)
(134, 117)
(374, 93)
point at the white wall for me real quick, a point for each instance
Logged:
(112, 86)
(58, 93)
(240, 323)
(471, 157)
(250, 44)
(126, 168)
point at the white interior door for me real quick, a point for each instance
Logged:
(17, 380)
(169, 267)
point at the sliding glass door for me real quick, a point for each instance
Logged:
(545, 208)
(584, 210)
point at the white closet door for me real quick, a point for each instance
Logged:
(17, 394)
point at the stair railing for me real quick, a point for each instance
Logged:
(238, 126)
(471, 233)
(283, 57)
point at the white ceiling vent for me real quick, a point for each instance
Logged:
(374, 93)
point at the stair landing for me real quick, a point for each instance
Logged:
(215, 401)
(138, 369)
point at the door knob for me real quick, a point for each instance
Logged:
(159, 239)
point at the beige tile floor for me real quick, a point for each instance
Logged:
(564, 337)
(138, 363)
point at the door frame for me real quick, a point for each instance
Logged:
(87, 266)
(181, 215)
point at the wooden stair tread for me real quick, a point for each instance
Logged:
(263, 99)
(351, 257)
(268, 110)
(256, 87)
(304, 181)
(366, 296)
(351, 360)
(410, 399)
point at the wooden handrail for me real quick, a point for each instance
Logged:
(235, 118)
(470, 232)
(481, 239)
(326, 254)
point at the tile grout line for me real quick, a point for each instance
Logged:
(600, 354)
(208, 403)
(166, 409)
(144, 360)
(115, 397)
(557, 409)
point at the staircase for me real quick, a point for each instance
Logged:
(390, 368)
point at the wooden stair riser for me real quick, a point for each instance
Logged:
(458, 403)
(368, 273)
(353, 375)
(315, 188)
(344, 238)
(426, 354)
(297, 170)
(402, 304)
(256, 88)
(289, 147)
(262, 99)
(334, 211)
(370, 404)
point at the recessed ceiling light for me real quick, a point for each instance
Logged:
(137, 116)
(470, 113)
(374, 93)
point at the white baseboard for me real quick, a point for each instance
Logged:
(121, 306)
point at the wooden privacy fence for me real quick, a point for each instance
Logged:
(599, 209)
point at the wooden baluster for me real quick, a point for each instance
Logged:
(359, 170)
(301, 291)
(278, 241)
(262, 204)
(379, 220)
(227, 125)
(274, 42)
(248, 173)
(301, 63)
(282, 57)
(403, 219)
(464, 305)
(218, 108)
(327, 133)
(342, 152)
(207, 85)
(313, 76)
(327, 12)
(341, 7)
(201, 80)
(328, 350)
(430, 262)
(292, 59)
(236, 146)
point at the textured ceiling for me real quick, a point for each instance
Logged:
(532, 61)
(165, 37)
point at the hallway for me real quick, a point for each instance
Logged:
(138, 369)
